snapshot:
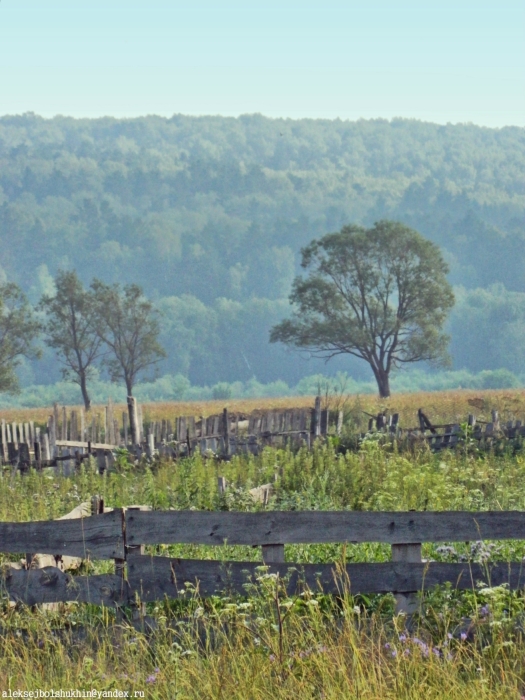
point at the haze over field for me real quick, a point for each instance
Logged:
(208, 213)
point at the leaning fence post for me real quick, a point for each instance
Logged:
(406, 603)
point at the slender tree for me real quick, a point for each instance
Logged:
(127, 323)
(379, 294)
(19, 328)
(70, 329)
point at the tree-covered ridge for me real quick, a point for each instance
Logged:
(209, 214)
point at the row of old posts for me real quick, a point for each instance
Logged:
(71, 436)
(485, 434)
(227, 434)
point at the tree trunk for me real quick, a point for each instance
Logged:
(85, 395)
(383, 383)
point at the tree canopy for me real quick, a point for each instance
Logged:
(70, 329)
(208, 215)
(127, 323)
(379, 294)
(18, 330)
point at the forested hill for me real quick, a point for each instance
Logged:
(208, 214)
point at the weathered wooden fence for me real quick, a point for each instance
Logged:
(449, 435)
(122, 534)
(69, 438)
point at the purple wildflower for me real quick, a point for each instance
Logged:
(402, 637)
(151, 679)
(463, 636)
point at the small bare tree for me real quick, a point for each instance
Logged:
(70, 328)
(127, 323)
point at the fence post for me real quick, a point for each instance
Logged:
(226, 432)
(406, 603)
(316, 418)
(133, 420)
(273, 553)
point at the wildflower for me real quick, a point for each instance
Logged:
(151, 679)
(272, 658)
(449, 636)
(402, 637)
(436, 651)
(394, 653)
(463, 636)
(387, 646)
(484, 611)
(407, 652)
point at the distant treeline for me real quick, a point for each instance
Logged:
(178, 388)
(208, 215)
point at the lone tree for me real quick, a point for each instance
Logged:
(380, 294)
(71, 330)
(127, 323)
(18, 330)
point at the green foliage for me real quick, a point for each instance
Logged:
(379, 294)
(204, 209)
(18, 330)
(127, 323)
(71, 330)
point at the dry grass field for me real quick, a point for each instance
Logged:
(440, 406)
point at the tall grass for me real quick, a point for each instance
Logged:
(464, 644)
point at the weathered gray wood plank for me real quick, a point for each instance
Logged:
(96, 538)
(304, 527)
(154, 578)
(50, 585)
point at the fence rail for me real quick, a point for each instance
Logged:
(122, 533)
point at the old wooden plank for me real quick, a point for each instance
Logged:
(154, 578)
(303, 527)
(96, 538)
(79, 443)
(51, 585)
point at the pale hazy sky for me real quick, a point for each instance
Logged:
(442, 61)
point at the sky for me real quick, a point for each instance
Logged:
(441, 61)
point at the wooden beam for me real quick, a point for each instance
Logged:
(51, 585)
(154, 578)
(96, 538)
(316, 527)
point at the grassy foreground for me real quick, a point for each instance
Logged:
(463, 645)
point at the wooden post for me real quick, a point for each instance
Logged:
(339, 428)
(64, 423)
(273, 553)
(226, 432)
(140, 425)
(38, 456)
(151, 445)
(316, 419)
(46, 449)
(125, 427)
(406, 603)
(221, 484)
(4, 442)
(133, 420)
(82, 426)
(101, 461)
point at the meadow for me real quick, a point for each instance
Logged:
(440, 406)
(466, 644)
